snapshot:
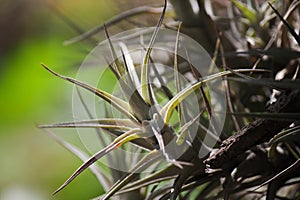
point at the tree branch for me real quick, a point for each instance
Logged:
(261, 130)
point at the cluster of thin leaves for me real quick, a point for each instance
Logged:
(269, 170)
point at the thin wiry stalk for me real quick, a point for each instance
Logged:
(290, 28)
(198, 76)
(227, 85)
(114, 20)
(292, 167)
(291, 9)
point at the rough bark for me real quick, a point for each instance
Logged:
(260, 130)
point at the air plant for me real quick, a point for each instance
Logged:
(172, 134)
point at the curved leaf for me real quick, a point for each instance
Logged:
(119, 141)
(167, 110)
(145, 69)
(164, 174)
(103, 179)
(118, 103)
(150, 158)
(113, 124)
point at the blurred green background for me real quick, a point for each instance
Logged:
(32, 164)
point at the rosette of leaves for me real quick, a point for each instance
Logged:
(147, 126)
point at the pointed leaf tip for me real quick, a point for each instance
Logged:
(50, 70)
